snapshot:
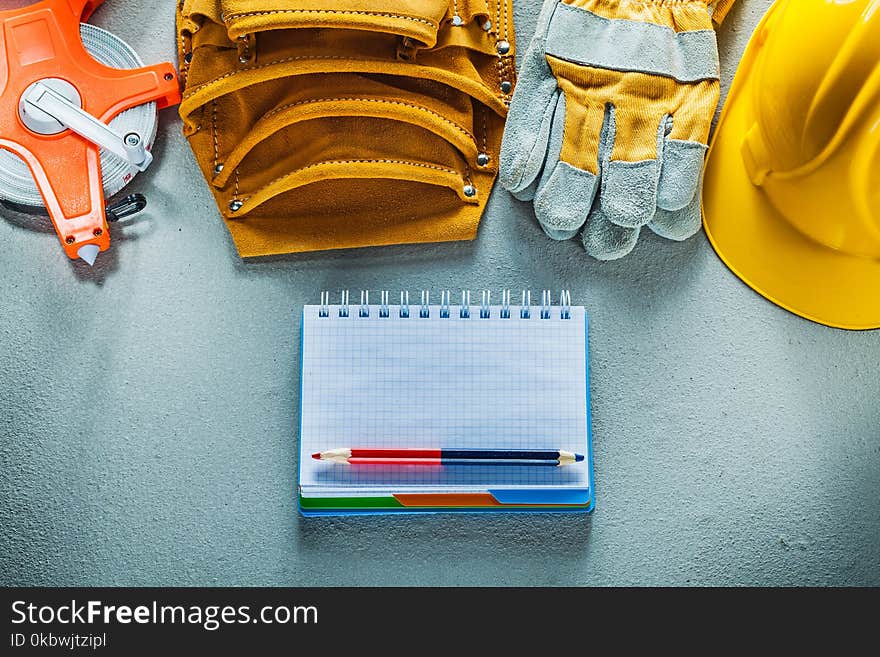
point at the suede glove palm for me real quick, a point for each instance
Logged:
(609, 122)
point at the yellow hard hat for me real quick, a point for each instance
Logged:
(791, 197)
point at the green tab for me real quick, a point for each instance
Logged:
(349, 503)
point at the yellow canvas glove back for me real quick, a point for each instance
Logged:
(332, 124)
(610, 120)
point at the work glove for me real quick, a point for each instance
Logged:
(610, 119)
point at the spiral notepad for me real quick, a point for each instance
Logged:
(460, 373)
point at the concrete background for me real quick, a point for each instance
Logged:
(150, 405)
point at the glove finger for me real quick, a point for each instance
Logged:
(528, 193)
(528, 124)
(605, 240)
(565, 192)
(681, 224)
(684, 148)
(631, 175)
(680, 173)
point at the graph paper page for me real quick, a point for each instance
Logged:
(442, 382)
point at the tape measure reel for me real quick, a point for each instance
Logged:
(17, 185)
(78, 116)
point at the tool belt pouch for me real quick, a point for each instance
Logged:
(335, 124)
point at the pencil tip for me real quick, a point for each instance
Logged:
(317, 455)
(578, 457)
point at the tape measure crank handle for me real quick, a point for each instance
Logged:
(42, 98)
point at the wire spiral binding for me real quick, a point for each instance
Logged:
(545, 304)
(383, 306)
(485, 301)
(565, 304)
(383, 310)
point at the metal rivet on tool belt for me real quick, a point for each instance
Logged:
(469, 190)
(217, 169)
(235, 206)
(188, 57)
(482, 159)
(457, 21)
(487, 25)
(503, 47)
(506, 87)
(244, 59)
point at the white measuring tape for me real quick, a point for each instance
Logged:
(16, 182)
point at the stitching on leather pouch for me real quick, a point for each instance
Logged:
(184, 69)
(376, 161)
(373, 100)
(189, 93)
(500, 34)
(286, 60)
(214, 131)
(330, 11)
(509, 64)
(181, 53)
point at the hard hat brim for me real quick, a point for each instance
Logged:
(763, 248)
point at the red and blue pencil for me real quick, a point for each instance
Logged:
(445, 456)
